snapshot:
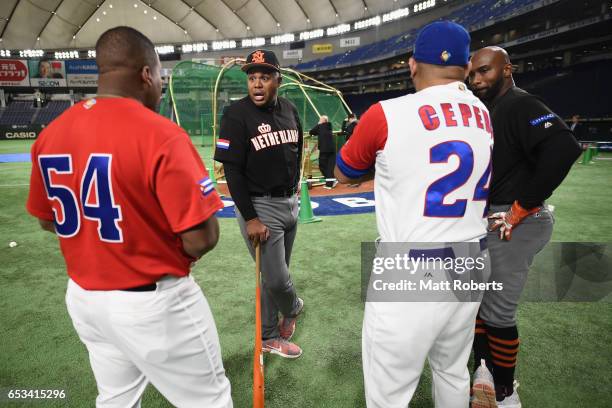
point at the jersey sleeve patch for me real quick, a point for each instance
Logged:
(206, 186)
(541, 119)
(223, 144)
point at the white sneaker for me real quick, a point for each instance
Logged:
(512, 401)
(483, 389)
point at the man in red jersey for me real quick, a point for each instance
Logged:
(133, 207)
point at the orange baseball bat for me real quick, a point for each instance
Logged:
(258, 366)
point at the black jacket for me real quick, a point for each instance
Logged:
(326, 138)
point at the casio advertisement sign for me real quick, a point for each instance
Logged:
(19, 132)
(20, 135)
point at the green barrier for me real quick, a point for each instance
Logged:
(306, 216)
(587, 155)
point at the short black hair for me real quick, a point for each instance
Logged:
(351, 115)
(124, 47)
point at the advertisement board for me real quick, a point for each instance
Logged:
(47, 73)
(82, 73)
(322, 48)
(20, 132)
(14, 73)
(350, 42)
(292, 54)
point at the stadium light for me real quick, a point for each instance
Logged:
(164, 49)
(309, 35)
(91, 53)
(66, 54)
(197, 47)
(5, 53)
(252, 42)
(282, 39)
(223, 45)
(424, 5)
(369, 22)
(396, 14)
(339, 29)
(31, 53)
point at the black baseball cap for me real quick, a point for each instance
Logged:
(261, 58)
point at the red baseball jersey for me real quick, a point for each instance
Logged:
(120, 182)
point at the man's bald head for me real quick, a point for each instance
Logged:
(124, 48)
(491, 73)
(494, 54)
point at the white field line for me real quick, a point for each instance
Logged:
(13, 168)
(13, 185)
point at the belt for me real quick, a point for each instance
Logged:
(444, 252)
(279, 193)
(143, 288)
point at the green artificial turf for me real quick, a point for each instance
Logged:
(565, 355)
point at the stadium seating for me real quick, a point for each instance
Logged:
(18, 113)
(469, 16)
(582, 89)
(50, 111)
(25, 113)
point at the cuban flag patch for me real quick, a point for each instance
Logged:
(206, 186)
(223, 144)
(541, 119)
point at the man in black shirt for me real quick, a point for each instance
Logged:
(577, 128)
(533, 152)
(327, 149)
(349, 126)
(260, 144)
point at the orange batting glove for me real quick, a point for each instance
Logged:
(506, 221)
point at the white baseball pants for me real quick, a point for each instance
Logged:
(397, 337)
(167, 337)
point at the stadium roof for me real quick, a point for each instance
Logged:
(56, 24)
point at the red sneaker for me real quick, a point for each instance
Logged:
(286, 326)
(281, 347)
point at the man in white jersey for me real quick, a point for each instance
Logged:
(431, 151)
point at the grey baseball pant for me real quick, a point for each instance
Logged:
(510, 263)
(279, 214)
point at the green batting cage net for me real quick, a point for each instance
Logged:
(198, 93)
